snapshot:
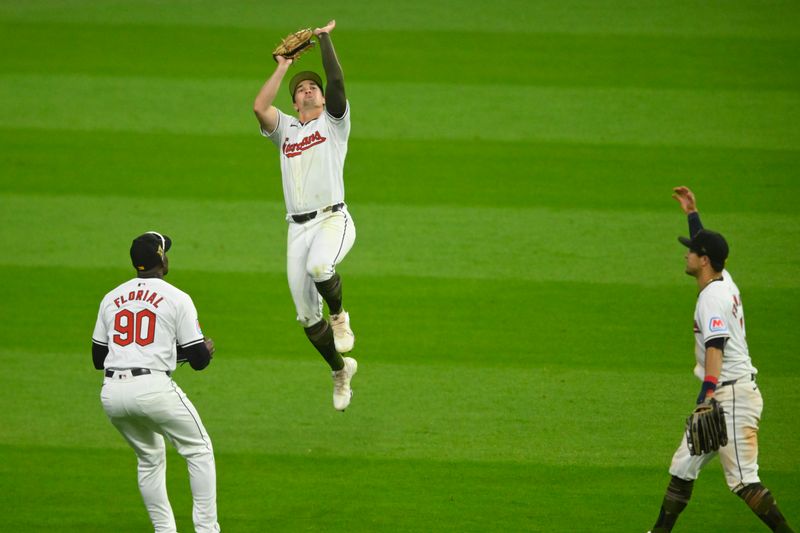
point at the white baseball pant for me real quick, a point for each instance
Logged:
(314, 248)
(145, 409)
(742, 404)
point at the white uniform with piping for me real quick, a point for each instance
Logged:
(719, 313)
(141, 321)
(312, 159)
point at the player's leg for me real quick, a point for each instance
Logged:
(152, 470)
(743, 404)
(176, 417)
(679, 492)
(331, 291)
(343, 368)
(684, 470)
(150, 450)
(333, 238)
(307, 300)
(321, 336)
(760, 500)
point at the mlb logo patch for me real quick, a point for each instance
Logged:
(199, 329)
(716, 324)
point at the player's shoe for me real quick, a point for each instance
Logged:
(341, 384)
(343, 336)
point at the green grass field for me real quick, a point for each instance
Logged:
(523, 320)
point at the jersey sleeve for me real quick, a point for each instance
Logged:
(100, 334)
(339, 127)
(278, 134)
(188, 326)
(712, 318)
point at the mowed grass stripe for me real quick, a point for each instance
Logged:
(718, 118)
(739, 18)
(394, 172)
(399, 411)
(535, 244)
(415, 320)
(263, 492)
(546, 59)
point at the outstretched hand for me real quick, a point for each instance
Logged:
(283, 61)
(685, 197)
(325, 29)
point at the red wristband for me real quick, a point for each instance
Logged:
(711, 378)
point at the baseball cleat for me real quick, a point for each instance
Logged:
(341, 384)
(343, 336)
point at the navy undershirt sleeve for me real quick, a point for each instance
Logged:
(694, 223)
(197, 355)
(336, 102)
(718, 343)
(99, 353)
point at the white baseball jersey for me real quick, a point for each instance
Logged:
(142, 320)
(719, 314)
(312, 160)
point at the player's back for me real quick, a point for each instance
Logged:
(139, 321)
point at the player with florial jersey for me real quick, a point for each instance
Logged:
(144, 327)
(728, 377)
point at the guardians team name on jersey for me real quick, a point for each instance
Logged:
(295, 149)
(312, 159)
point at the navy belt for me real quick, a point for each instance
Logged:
(133, 371)
(305, 217)
(732, 381)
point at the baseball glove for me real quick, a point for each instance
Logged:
(705, 428)
(294, 45)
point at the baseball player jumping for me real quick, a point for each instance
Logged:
(144, 327)
(321, 231)
(728, 376)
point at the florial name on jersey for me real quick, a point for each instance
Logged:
(719, 314)
(312, 160)
(142, 321)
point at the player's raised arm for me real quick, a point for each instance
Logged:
(335, 99)
(265, 112)
(685, 197)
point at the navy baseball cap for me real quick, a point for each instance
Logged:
(148, 249)
(709, 243)
(303, 76)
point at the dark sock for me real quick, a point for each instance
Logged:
(331, 291)
(679, 491)
(321, 336)
(760, 500)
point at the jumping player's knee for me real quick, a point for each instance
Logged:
(320, 272)
(309, 321)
